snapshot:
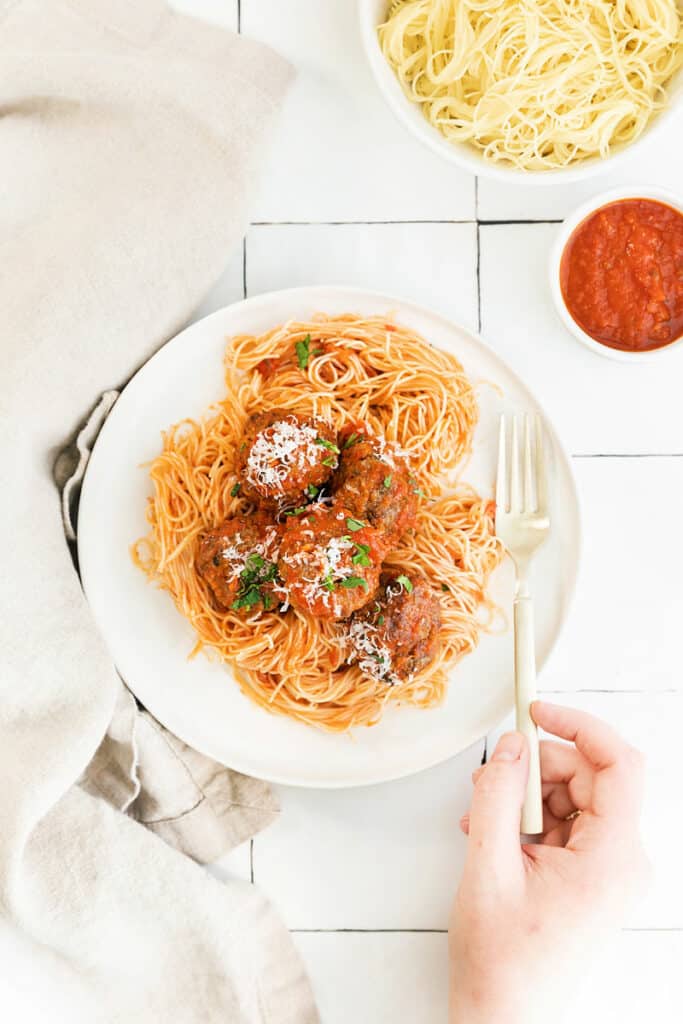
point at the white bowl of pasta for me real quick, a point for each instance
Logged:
(469, 89)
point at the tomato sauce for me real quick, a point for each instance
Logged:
(621, 275)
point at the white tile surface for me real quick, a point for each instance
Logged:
(659, 162)
(236, 864)
(433, 264)
(227, 289)
(338, 152)
(380, 857)
(624, 626)
(402, 979)
(597, 404)
(378, 978)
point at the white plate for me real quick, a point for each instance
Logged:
(149, 640)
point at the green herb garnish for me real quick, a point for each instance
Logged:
(351, 440)
(296, 511)
(327, 444)
(354, 524)
(387, 482)
(330, 461)
(267, 601)
(235, 490)
(445, 588)
(354, 581)
(256, 572)
(328, 582)
(405, 582)
(303, 351)
(380, 620)
(312, 491)
(361, 558)
(420, 493)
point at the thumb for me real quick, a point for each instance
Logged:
(497, 804)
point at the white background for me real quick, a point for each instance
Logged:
(365, 878)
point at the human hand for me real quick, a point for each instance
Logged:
(527, 917)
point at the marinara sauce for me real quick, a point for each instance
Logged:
(621, 274)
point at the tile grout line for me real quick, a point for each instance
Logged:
(374, 223)
(244, 267)
(239, 15)
(627, 455)
(433, 931)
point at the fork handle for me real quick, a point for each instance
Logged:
(525, 693)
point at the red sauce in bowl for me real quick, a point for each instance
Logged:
(621, 275)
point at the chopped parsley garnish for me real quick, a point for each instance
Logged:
(405, 582)
(351, 440)
(445, 588)
(256, 572)
(267, 601)
(380, 620)
(248, 599)
(420, 493)
(328, 582)
(317, 352)
(362, 554)
(330, 461)
(312, 491)
(327, 444)
(303, 351)
(387, 481)
(354, 524)
(296, 511)
(235, 490)
(353, 581)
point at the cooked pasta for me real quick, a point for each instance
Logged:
(366, 369)
(536, 84)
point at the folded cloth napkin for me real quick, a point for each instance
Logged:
(128, 142)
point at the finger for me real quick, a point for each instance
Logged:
(465, 824)
(560, 762)
(558, 836)
(560, 803)
(476, 774)
(596, 740)
(496, 806)
(615, 791)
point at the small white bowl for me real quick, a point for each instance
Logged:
(373, 12)
(564, 234)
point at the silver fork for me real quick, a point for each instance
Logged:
(522, 523)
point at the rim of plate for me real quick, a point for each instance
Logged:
(307, 295)
(569, 225)
(466, 156)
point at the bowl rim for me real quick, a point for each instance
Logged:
(568, 226)
(465, 155)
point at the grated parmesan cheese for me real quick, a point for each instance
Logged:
(372, 656)
(280, 448)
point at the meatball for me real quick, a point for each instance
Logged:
(330, 562)
(285, 457)
(397, 635)
(238, 561)
(374, 481)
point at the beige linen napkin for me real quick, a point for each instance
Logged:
(128, 142)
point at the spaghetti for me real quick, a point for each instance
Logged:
(536, 84)
(359, 368)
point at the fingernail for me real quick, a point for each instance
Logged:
(509, 747)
